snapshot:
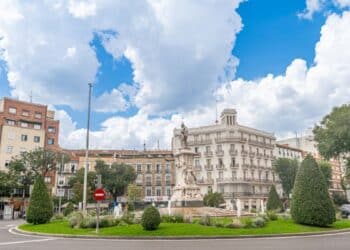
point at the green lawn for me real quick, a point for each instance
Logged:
(182, 229)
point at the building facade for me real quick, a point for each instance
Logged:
(232, 159)
(24, 127)
(309, 146)
(154, 169)
(284, 151)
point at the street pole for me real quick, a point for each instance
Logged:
(87, 150)
(60, 198)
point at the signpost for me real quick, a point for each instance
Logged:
(99, 195)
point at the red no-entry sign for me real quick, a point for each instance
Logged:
(99, 194)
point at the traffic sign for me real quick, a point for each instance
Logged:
(99, 194)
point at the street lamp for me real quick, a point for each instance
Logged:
(87, 150)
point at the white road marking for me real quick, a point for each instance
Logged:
(23, 241)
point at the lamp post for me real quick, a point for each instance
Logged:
(87, 150)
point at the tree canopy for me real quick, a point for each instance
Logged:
(287, 170)
(333, 133)
(115, 178)
(326, 170)
(77, 185)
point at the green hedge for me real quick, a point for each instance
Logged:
(150, 218)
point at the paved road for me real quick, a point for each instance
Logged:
(13, 241)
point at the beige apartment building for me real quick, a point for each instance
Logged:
(285, 151)
(232, 159)
(24, 127)
(154, 169)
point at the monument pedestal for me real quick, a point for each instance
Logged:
(186, 193)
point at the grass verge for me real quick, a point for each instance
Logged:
(280, 226)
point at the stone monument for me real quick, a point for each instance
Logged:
(186, 191)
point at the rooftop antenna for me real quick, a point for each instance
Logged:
(144, 145)
(216, 111)
(31, 97)
(158, 144)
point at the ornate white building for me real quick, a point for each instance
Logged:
(232, 159)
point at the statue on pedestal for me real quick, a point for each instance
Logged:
(184, 136)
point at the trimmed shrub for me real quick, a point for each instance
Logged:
(259, 222)
(150, 219)
(236, 223)
(128, 218)
(173, 218)
(311, 204)
(274, 202)
(271, 215)
(248, 223)
(57, 217)
(40, 208)
(205, 220)
(75, 219)
(69, 209)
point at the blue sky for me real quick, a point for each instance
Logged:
(156, 64)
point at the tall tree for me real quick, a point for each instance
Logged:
(7, 183)
(311, 203)
(274, 202)
(287, 171)
(115, 178)
(326, 170)
(76, 183)
(333, 134)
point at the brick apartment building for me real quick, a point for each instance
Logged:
(25, 126)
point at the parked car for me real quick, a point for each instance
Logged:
(345, 211)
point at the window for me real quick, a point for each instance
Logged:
(158, 168)
(207, 149)
(38, 115)
(37, 126)
(25, 113)
(167, 168)
(196, 162)
(24, 124)
(234, 175)
(36, 139)
(47, 179)
(24, 137)
(7, 163)
(138, 168)
(208, 162)
(233, 161)
(158, 192)
(168, 191)
(148, 168)
(51, 129)
(50, 141)
(10, 122)
(148, 192)
(158, 181)
(148, 181)
(219, 147)
(168, 180)
(210, 189)
(221, 163)
(196, 150)
(232, 147)
(11, 135)
(12, 110)
(221, 175)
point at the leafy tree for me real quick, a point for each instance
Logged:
(311, 204)
(213, 199)
(40, 208)
(333, 134)
(274, 202)
(326, 170)
(150, 218)
(77, 185)
(7, 183)
(115, 178)
(134, 194)
(287, 171)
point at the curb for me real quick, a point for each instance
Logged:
(17, 230)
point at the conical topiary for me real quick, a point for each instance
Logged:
(274, 202)
(311, 204)
(40, 208)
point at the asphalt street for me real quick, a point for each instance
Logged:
(10, 240)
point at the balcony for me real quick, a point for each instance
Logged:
(158, 183)
(219, 153)
(251, 154)
(205, 181)
(139, 181)
(230, 139)
(198, 168)
(234, 165)
(208, 167)
(244, 153)
(245, 165)
(200, 142)
(208, 153)
(148, 183)
(220, 166)
(233, 152)
(198, 154)
(260, 143)
(259, 155)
